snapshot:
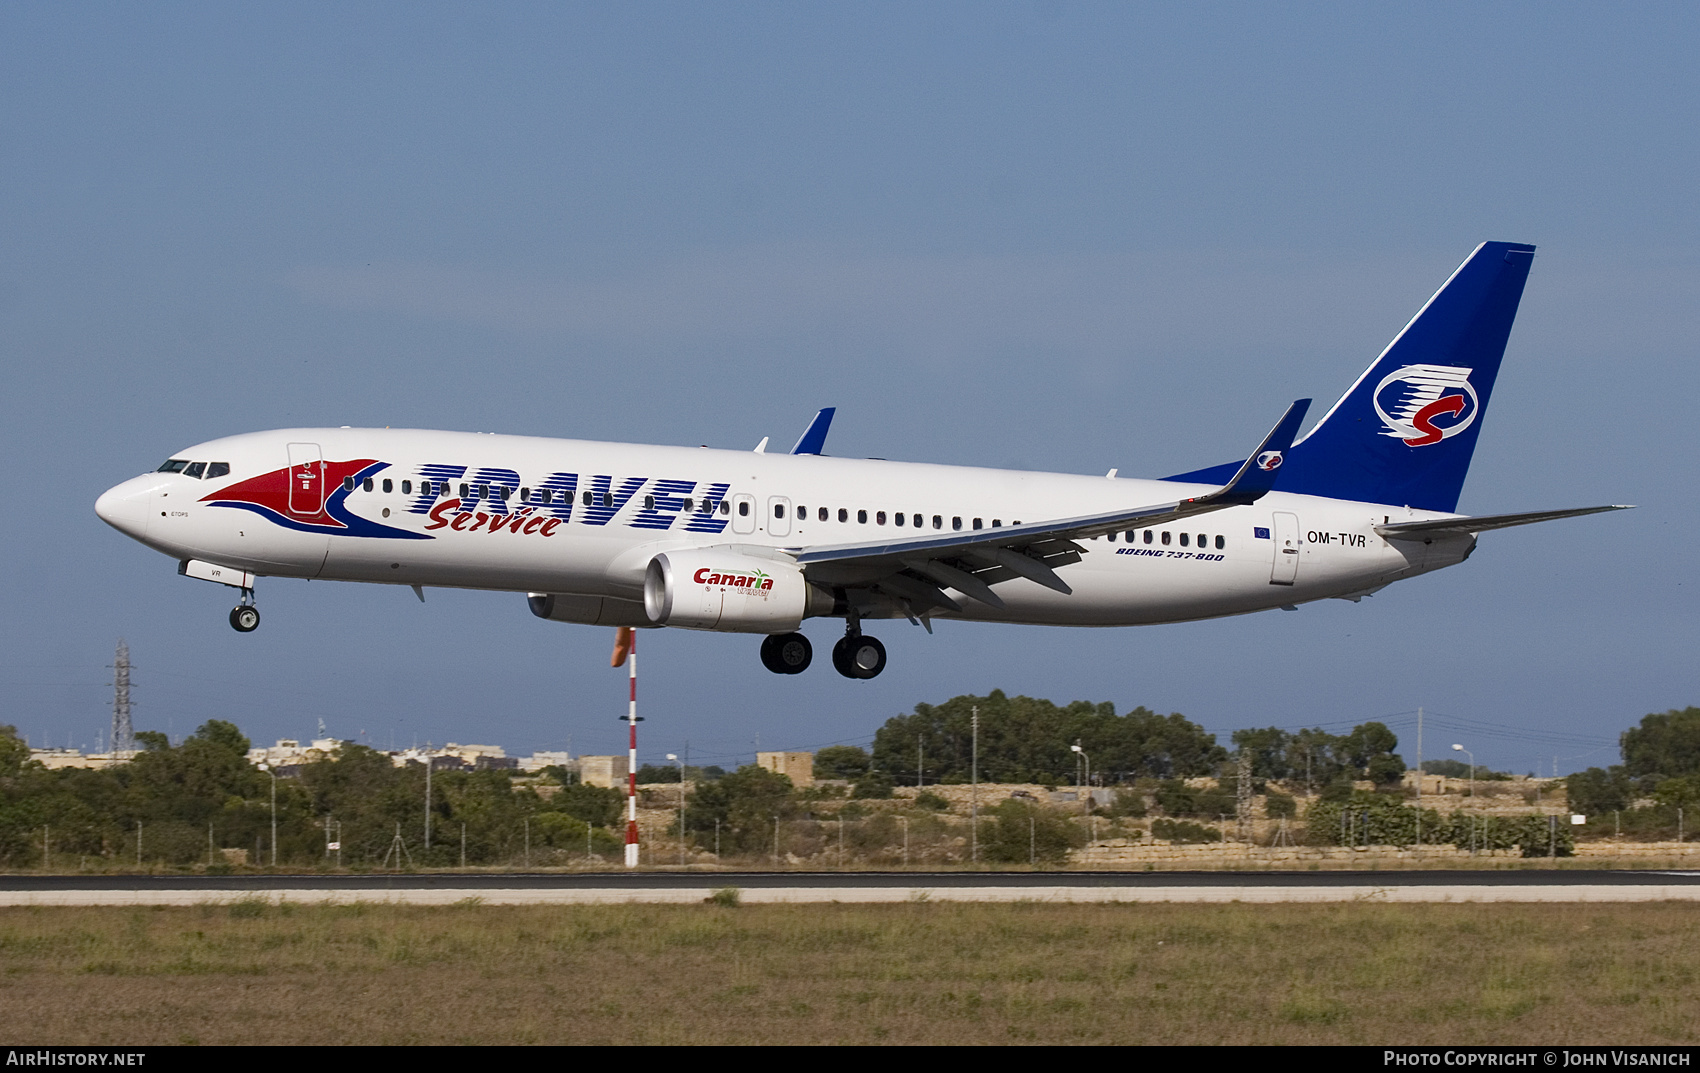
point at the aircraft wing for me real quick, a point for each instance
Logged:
(1486, 522)
(917, 570)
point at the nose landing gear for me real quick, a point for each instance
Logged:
(245, 617)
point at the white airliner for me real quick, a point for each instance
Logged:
(750, 542)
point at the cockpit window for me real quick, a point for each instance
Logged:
(174, 465)
(195, 470)
(217, 469)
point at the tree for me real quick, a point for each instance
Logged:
(14, 754)
(1318, 758)
(1666, 744)
(1026, 739)
(841, 762)
(1270, 749)
(744, 804)
(1369, 749)
(1599, 790)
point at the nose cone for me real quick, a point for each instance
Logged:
(125, 507)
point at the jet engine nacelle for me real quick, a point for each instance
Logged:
(588, 610)
(709, 589)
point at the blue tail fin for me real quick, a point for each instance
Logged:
(1404, 433)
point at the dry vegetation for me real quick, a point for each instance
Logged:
(916, 973)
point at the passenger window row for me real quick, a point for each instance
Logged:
(197, 470)
(1145, 536)
(897, 518)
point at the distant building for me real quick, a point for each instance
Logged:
(53, 759)
(539, 760)
(472, 753)
(608, 771)
(800, 767)
(289, 752)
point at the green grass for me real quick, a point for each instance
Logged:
(940, 973)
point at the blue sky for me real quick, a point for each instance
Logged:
(1054, 236)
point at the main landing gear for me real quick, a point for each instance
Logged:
(786, 653)
(856, 655)
(245, 617)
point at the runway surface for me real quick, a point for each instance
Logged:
(585, 888)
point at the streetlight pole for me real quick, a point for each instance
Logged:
(267, 768)
(1088, 762)
(681, 764)
(1472, 756)
(974, 769)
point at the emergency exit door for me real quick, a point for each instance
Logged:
(306, 480)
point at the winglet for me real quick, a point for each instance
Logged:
(1257, 474)
(814, 437)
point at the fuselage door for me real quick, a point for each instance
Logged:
(1286, 568)
(743, 514)
(306, 480)
(778, 516)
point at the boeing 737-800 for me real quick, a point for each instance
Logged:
(751, 542)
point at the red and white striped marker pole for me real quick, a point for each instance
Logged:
(625, 651)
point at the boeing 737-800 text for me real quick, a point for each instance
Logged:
(750, 542)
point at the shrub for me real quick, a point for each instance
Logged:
(595, 805)
(873, 784)
(1278, 806)
(1128, 802)
(931, 802)
(1176, 798)
(1184, 831)
(1021, 831)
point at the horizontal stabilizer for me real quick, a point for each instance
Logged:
(1487, 521)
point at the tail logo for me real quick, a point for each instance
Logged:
(1424, 404)
(1269, 460)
